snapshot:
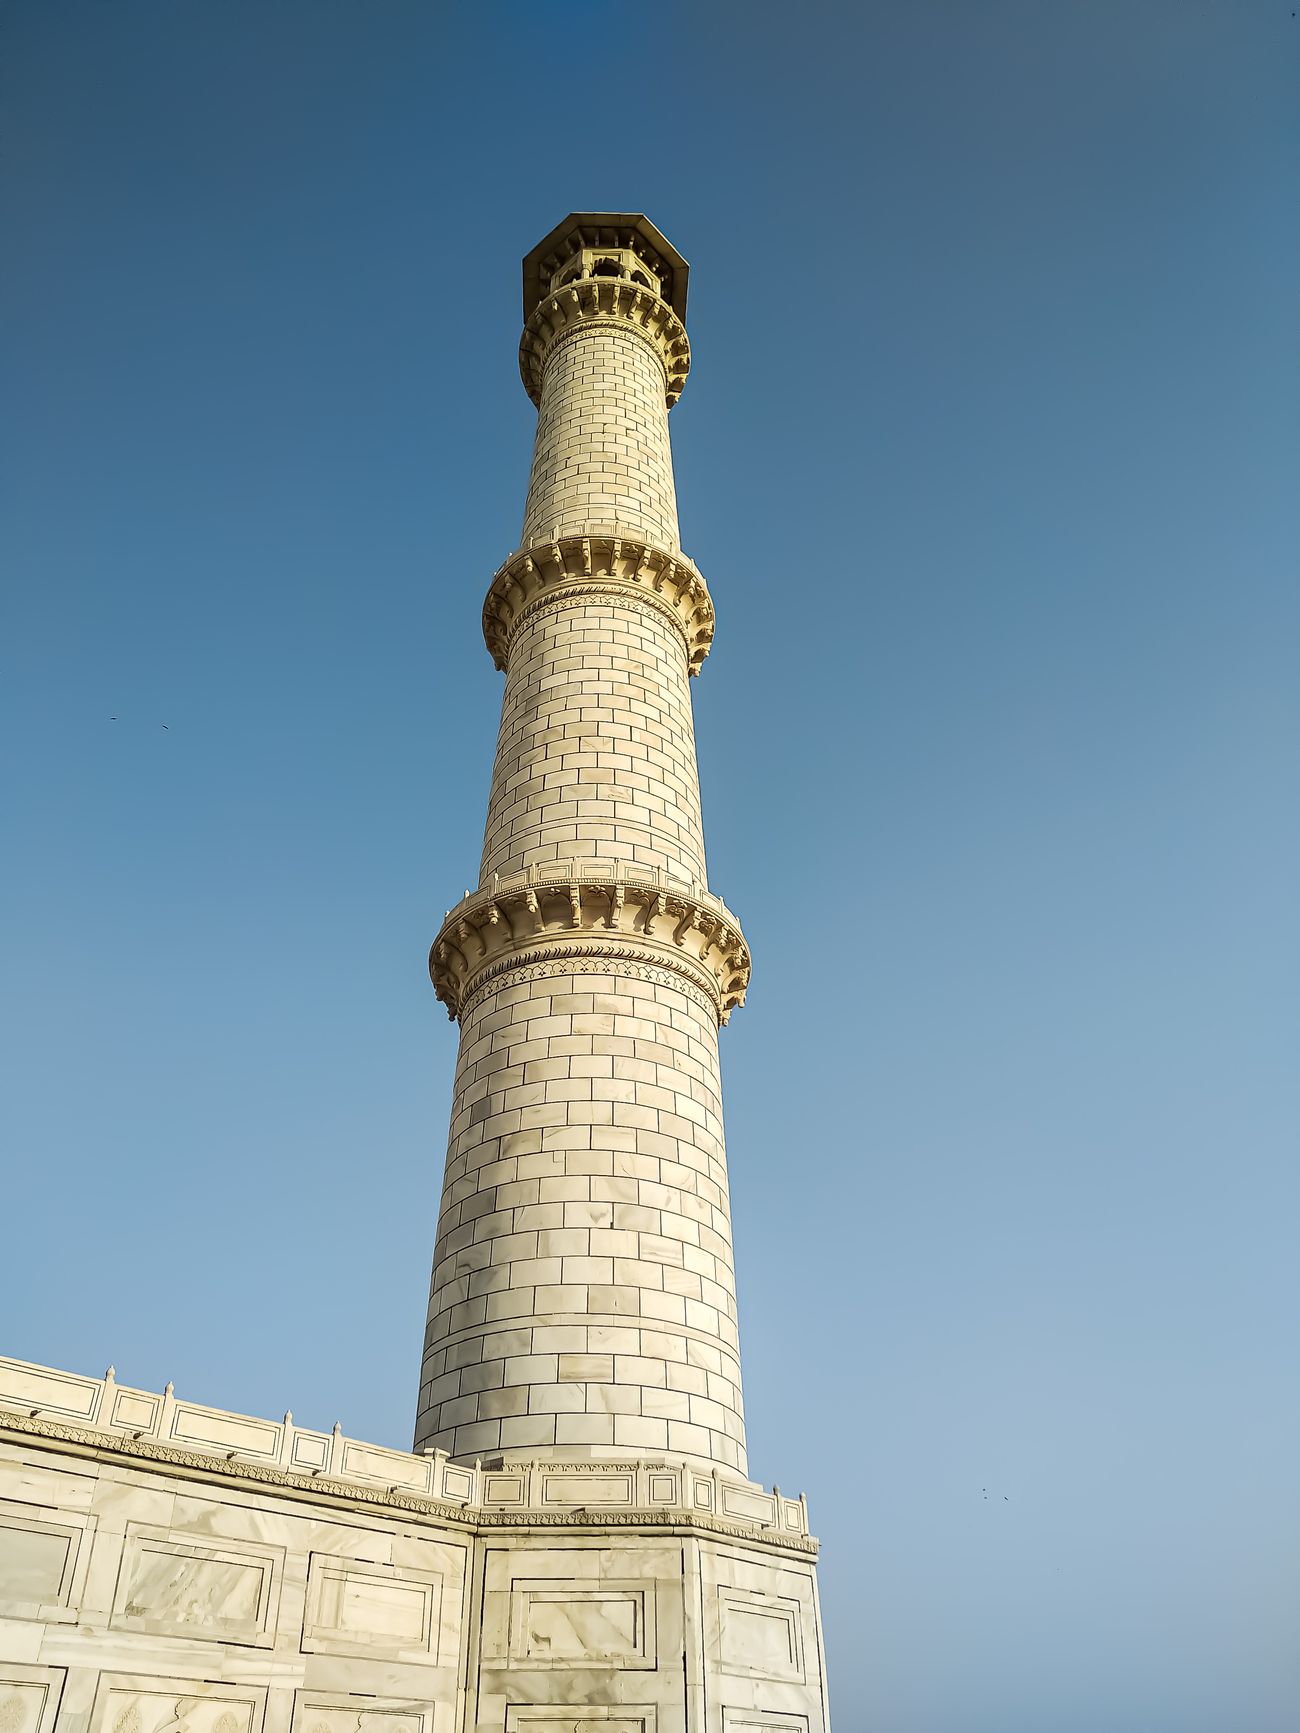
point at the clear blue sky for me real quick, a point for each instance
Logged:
(990, 457)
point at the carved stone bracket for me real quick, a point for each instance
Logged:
(573, 566)
(588, 910)
(606, 299)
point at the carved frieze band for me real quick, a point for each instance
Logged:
(581, 911)
(572, 566)
(607, 964)
(610, 301)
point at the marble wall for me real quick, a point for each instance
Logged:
(148, 1587)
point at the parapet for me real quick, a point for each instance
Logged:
(164, 1431)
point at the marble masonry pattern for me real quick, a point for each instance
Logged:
(573, 1545)
(583, 1294)
(172, 1568)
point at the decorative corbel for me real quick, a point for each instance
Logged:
(465, 932)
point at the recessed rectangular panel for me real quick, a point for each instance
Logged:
(136, 1409)
(29, 1697)
(222, 1590)
(587, 1489)
(571, 1625)
(356, 1608)
(325, 1712)
(760, 1635)
(762, 1721)
(310, 1449)
(139, 1704)
(558, 1718)
(37, 1387)
(36, 1562)
(384, 1467)
(742, 1501)
(364, 1605)
(457, 1483)
(211, 1429)
(44, 1556)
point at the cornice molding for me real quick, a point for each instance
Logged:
(568, 568)
(583, 911)
(610, 301)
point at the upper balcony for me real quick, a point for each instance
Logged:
(593, 244)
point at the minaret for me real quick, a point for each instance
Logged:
(583, 1299)
(575, 1543)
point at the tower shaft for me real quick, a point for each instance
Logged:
(583, 1296)
(596, 753)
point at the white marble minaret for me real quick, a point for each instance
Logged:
(583, 1299)
(573, 1546)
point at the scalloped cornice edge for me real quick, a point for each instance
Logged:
(571, 566)
(605, 299)
(587, 910)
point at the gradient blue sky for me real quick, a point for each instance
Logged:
(990, 457)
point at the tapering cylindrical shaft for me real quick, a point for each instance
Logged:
(602, 453)
(583, 1297)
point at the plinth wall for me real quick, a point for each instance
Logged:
(153, 1586)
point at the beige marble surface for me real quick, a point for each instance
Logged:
(583, 1293)
(151, 1589)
